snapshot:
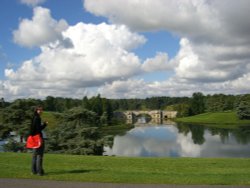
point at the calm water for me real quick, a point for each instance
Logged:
(182, 141)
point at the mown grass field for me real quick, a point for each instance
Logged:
(228, 118)
(52, 118)
(130, 170)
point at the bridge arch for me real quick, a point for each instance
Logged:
(154, 114)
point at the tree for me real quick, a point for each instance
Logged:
(49, 103)
(219, 102)
(182, 109)
(96, 105)
(2, 103)
(197, 104)
(243, 110)
(17, 117)
(85, 103)
(107, 111)
(77, 134)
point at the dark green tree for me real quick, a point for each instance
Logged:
(96, 105)
(2, 103)
(107, 115)
(77, 134)
(85, 103)
(243, 110)
(49, 103)
(197, 104)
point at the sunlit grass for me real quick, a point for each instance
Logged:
(51, 118)
(220, 118)
(130, 170)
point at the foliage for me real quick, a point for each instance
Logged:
(153, 103)
(101, 106)
(59, 104)
(197, 104)
(74, 117)
(243, 109)
(80, 117)
(219, 102)
(76, 134)
(17, 116)
(183, 109)
(3, 103)
(13, 145)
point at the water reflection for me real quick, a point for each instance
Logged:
(142, 120)
(182, 141)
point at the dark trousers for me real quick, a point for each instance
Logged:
(37, 160)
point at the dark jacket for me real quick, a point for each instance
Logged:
(36, 125)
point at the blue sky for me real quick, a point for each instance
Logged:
(164, 48)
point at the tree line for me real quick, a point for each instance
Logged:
(79, 120)
(105, 108)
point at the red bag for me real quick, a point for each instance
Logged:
(34, 142)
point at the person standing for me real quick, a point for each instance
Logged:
(36, 128)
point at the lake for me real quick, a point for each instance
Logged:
(173, 140)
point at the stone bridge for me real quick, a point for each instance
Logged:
(154, 114)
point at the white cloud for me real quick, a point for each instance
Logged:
(41, 30)
(208, 63)
(133, 88)
(215, 38)
(190, 16)
(197, 19)
(158, 63)
(97, 54)
(213, 55)
(32, 3)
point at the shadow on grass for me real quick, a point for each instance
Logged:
(74, 171)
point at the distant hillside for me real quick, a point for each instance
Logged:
(52, 118)
(228, 117)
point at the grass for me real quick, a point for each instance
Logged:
(221, 118)
(51, 117)
(201, 171)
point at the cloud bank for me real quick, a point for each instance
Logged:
(85, 58)
(214, 40)
(72, 58)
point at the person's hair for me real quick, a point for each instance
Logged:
(37, 108)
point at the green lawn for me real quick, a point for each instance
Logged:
(222, 118)
(130, 170)
(51, 118)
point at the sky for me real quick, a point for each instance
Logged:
(123, 49)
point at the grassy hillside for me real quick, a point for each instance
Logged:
(224, 118)
(130, 170)
(52, 118)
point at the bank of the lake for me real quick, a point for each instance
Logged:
(226, 119)
(130, 170)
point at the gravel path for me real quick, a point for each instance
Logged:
(28, 183)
